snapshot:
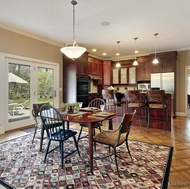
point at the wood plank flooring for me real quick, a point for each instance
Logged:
(178, 137)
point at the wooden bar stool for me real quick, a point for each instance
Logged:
(111, 100)
(134, 100)
(157, 100)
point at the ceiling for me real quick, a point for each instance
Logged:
(51, 21)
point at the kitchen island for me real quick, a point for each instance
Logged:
(158, 124)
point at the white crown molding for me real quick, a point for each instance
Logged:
(30, 35)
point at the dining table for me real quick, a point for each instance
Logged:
(90, 117)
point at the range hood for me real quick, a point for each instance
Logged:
(94, 77)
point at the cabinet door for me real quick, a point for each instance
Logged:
(115, 75)
(123, 75)
(82, 64)
(132, 75)
(168, 64)
(107, 72)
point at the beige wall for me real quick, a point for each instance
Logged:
(17, 44)
(183, 59)
(21, 45)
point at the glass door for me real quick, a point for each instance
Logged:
(28, 83)
(45, 85)
(18, 92)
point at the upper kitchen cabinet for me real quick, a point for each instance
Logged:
(82, 64)
(126, 74)
(95, 68)
(107, 73)
(143, 70)
(167, 62)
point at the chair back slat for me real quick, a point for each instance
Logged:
(52, 122)
(96, 103)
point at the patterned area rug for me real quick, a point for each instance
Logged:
(21, 166)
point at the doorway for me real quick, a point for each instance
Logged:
(29, 82)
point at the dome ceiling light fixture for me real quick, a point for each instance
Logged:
(135, 63)
(73, 50)
(155, 61)
(118, 65)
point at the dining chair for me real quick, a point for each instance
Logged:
(94, 103)
(157, 101)
(57, 132)
(134, 100)
(111, 100)
(115, 138)
(36, 116)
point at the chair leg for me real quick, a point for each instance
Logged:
(47, 150)
(62, 153)
(127, 145)
(76, 144)
(80, 133)
(115, 156)
(35, 129)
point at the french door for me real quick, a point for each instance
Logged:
(29, 82)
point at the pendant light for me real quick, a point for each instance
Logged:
(118, 65)
(72, 50)
(155, 61)
(135, 63)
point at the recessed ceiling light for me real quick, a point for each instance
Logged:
(104, 54)
(94, 50)
(105, 23)
(136, 51)
(117, 54)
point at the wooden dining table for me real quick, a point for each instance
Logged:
(89, 118)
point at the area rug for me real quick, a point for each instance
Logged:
(22, 166)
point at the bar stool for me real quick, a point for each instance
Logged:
(111, 100)
(134, 100)
(157, 100)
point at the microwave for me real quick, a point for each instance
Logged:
(143, 86)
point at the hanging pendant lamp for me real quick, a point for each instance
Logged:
(135, 63)
(73, 50)
(155, 61)
(118, 65)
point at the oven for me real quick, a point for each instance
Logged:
(82, 89)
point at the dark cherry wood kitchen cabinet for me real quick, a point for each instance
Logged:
(107, 73)
(143, 70)
(70, 70)
(167, 62)
(82, 64)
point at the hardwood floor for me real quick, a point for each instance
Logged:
(178, 137)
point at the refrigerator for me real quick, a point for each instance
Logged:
(163, 81)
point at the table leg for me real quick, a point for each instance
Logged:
(110, 124)
(90, 135)
(42, 137)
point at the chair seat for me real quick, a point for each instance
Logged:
(62, 135)
(108, 137)
(136, 105)
(157, 106)
(114, 103)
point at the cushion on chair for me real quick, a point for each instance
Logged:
(157, 106)
(109, 137)
(136, 105)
